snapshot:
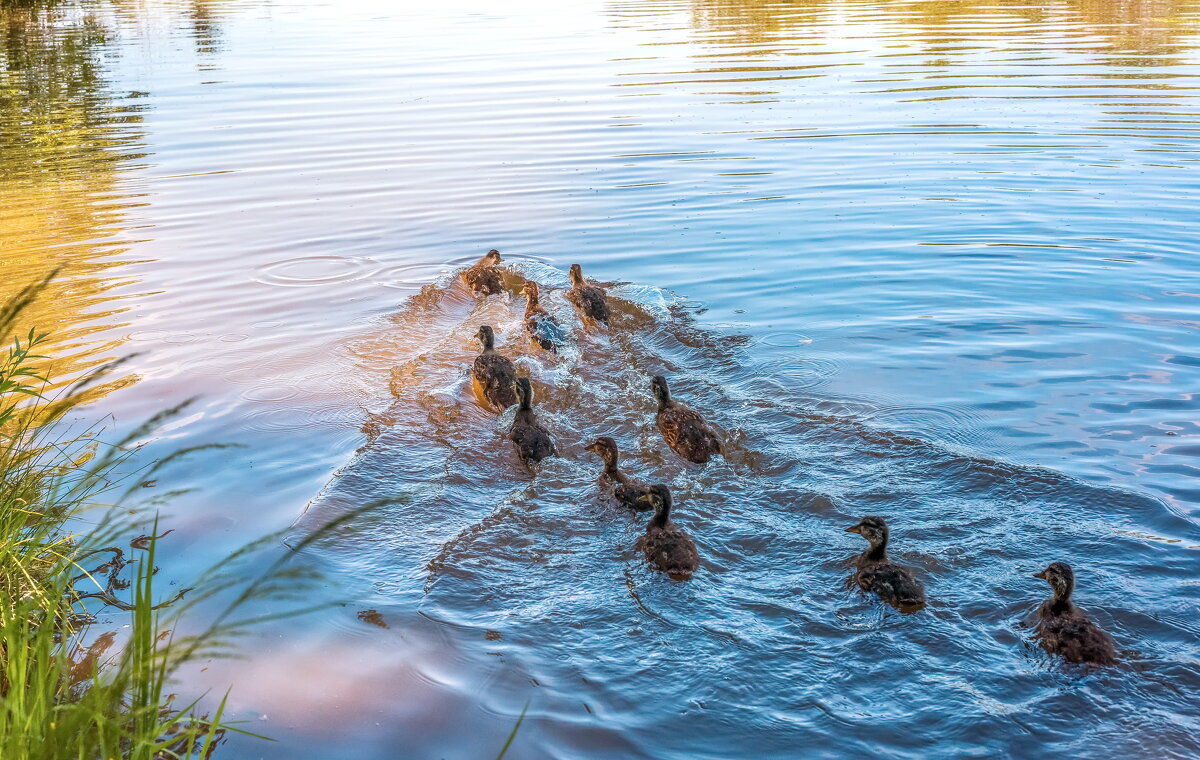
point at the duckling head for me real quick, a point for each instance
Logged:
(486, 336)
(524, 390)
(530, 290)
(658, 386)
(605, 448)
(492, 257)
(872, 528)
(576, 275)
(1061, 578)
(659, 497)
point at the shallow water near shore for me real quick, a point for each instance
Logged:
(933, 261)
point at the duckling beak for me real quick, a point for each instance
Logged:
(497, 258)
(591, 447)
(1041, 575)
(646, 498)
(855, 529)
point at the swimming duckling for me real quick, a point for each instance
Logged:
(482, 277)
(684, 429)
(542, 327)
(626, 490)
(666, 545)
(893, 583)
(1066, 630)
(494, 374)
(589, 300)
(531, 439)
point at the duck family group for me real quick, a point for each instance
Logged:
(1062, 628)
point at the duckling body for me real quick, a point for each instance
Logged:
(494, 373)
(532, 441)
(482, 277)
(667, 546)
(542, 328)
(1066, 630)
(626, 490)
(875, 573)
(589, 300)
(684, 430)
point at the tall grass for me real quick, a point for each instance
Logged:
(69, 686)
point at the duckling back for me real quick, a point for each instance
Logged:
(688, 435)
(483, 280)
(892, 583)
(1073, 636)
(532, 441)
(482, 277)
(591, 302)
(495, 375)
(671, 550)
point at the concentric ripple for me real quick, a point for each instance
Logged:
(309, 271)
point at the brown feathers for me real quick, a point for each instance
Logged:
(875, 573)
(527, 434)
(589, 300)
(543, 329)
(482, 277)
(626, 490)
(684, 430)
(666, 546)
(1064, 629)
(494, 374)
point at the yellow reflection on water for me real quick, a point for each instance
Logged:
(63, 141)
(1146, 30)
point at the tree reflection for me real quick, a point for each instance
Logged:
(64, 138)
(1147, 32)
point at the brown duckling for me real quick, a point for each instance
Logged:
(684, 429)
(626, 490)
(531, 439)
(494, 374)
(589, 300)
(874, 572)
(1064, 629)
(666, 546)
(542, 328)
(482, 277)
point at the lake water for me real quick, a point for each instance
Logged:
(930, 260)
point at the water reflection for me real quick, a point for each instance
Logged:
(65, 136)
(204, 17)
(1151, 33)
(941, 248)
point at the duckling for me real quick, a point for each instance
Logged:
(893, 583)
(531, 439)
(589, 300)
(626, 490)
(482, 277)
(666, 546)
(542, 327)
(684, 429)
(494, 374)
(1066, 630)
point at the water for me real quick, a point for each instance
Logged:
(933, 261)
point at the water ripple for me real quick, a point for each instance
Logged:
(307, 271)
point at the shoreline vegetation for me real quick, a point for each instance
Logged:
(89, 643)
